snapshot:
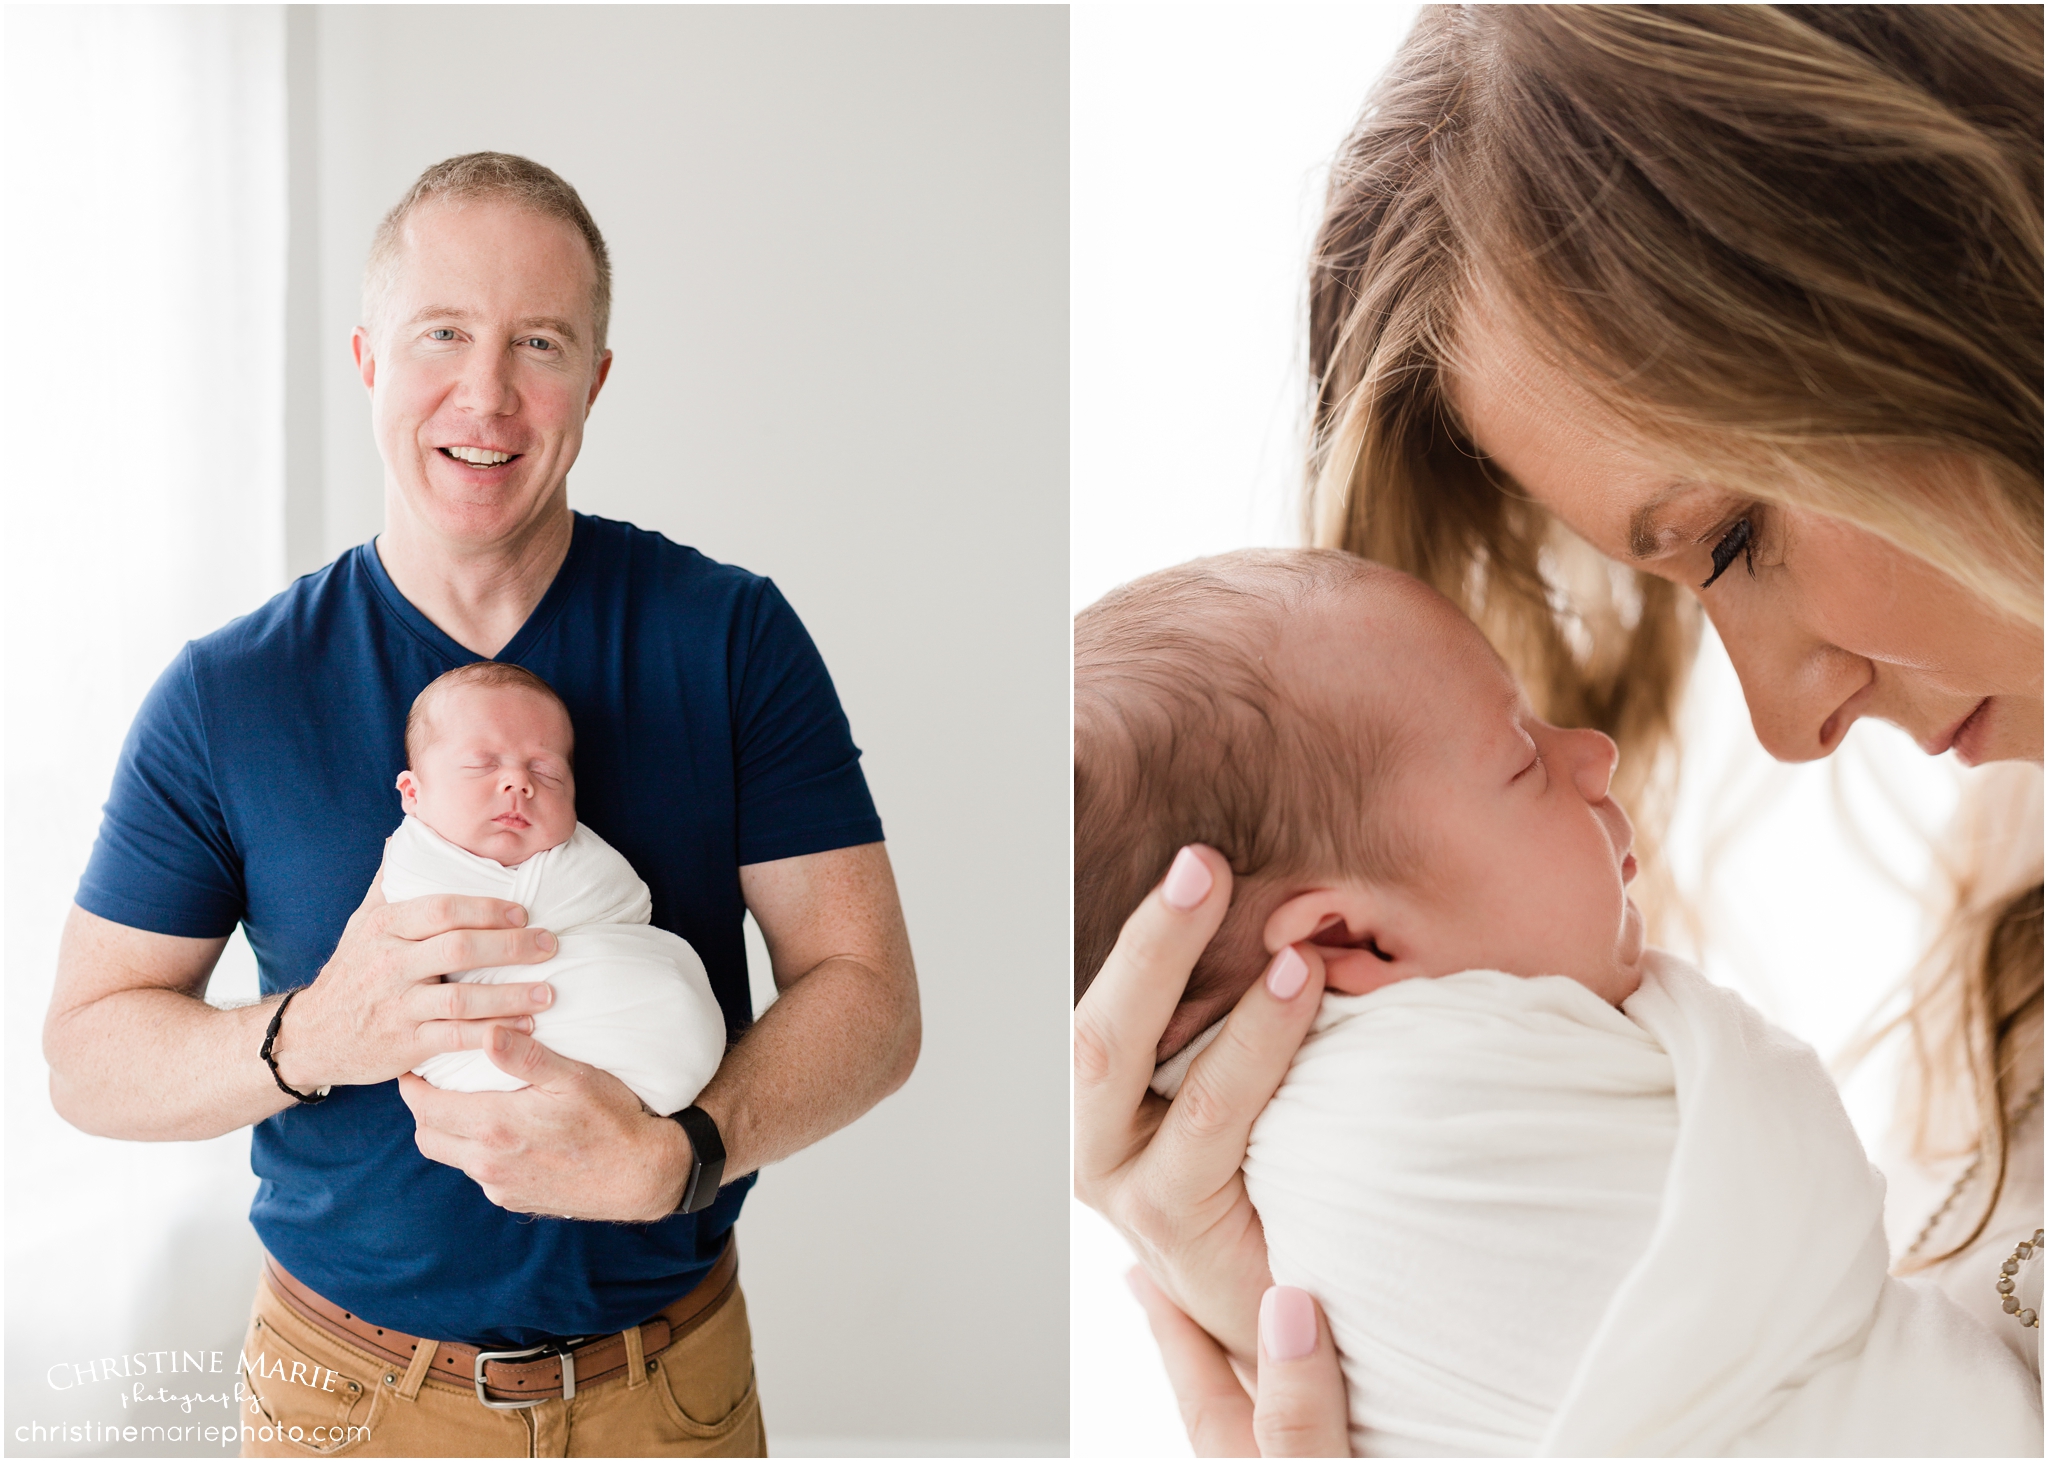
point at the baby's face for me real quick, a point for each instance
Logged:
(1525, 858)
(493, 778)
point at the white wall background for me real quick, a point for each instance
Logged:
(144, 279)
(1202, 137)
(839, 238)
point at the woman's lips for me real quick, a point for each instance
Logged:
(1942, 741)
(1968, 740)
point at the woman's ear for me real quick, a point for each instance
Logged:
(1356, 929)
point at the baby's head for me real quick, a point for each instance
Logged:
(1380, 785)
(490, 762)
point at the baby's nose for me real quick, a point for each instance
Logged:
(1596, 756)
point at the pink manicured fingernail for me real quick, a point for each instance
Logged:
(543, 993)
(1288, 975)
(1287, 1322)
(515, 916)
(1188, 882)
(544, 941)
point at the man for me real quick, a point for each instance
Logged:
(412, 1232)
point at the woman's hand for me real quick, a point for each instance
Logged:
(1168, 1176)
(1297, 1407)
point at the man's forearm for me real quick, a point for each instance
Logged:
(836, 1042)
(161, 1066)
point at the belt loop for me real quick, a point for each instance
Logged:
(422, 1362)
(636, 1358)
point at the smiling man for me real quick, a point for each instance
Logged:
(547, 1270)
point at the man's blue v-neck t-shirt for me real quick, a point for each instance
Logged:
(256, 788)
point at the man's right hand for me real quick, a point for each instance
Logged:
(381, 1004)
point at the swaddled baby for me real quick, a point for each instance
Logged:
(1556, 1193)
(490, 802)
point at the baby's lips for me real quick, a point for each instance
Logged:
(1628, 867)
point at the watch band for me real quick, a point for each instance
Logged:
(707, 1159)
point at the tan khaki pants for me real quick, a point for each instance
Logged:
(695, 1399)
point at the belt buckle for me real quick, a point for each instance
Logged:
(561, 1348)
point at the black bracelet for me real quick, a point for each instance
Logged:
(270, 1040)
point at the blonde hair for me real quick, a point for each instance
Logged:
(497, 177)
(1972, 1006)
(1796, 249)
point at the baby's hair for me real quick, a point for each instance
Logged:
(1184, 733)
(484, 673)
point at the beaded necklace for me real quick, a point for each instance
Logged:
(2022, 1252)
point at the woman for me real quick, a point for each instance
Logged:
(1749, 299)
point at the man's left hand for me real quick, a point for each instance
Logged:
(574, 1143)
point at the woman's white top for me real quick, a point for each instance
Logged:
(1970, 1277)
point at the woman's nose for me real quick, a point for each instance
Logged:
(1594, 756)
(1796, 683)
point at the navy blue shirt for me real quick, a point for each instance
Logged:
(256, 788)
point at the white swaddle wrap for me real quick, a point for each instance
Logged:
(629, 998)
(1539, 1226)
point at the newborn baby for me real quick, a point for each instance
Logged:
(1557, 1194)
(490, 802)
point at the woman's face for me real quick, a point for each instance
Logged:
(1824, 622)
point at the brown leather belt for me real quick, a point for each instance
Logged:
(510, 1379)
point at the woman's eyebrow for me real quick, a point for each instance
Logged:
(1644, 539)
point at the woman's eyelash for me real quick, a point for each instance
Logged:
(1739, 539)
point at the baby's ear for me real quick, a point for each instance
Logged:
(1352, 927)
(408, 789)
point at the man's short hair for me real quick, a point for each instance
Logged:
(489, 673)
(498, 177)
(1184, 733)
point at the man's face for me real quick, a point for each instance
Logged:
(481, 365)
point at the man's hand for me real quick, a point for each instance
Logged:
(380, 1006)
(574, 1143)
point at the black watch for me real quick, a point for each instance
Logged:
(707, 1159)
